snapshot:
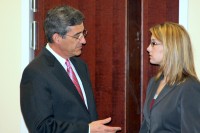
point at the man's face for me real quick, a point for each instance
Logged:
(71, 44)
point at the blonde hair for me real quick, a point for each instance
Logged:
(178, 62)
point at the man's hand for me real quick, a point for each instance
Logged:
(100, 127)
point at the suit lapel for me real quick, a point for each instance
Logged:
(152, 88)
(83, 77)
(166, 90)
(62, 76)
(152, 91)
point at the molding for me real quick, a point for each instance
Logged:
(183, 13)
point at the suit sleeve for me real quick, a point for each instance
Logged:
(190, 108)
(37, 107)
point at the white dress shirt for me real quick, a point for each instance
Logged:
(62, 62)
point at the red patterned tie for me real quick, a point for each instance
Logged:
(73, 78)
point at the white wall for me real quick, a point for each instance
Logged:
(13, 58)
(194, 30)
(10, 65)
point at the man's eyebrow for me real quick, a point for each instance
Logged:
(78, 33)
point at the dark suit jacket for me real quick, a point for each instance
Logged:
(176, 109)
(49, 100)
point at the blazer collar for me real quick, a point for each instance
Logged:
(166, 90)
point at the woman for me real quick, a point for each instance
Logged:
(173, 96)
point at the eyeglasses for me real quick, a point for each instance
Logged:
(80, 35)
(152, 43)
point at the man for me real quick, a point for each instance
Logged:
(55, 90)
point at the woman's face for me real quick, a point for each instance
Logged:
(155, 50)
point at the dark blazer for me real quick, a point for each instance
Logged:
(49, 100)
(176, 109)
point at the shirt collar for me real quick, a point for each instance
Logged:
(58, 57)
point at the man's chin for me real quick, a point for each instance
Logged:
(78, 53)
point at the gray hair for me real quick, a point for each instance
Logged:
(59, 19)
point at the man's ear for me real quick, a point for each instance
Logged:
(56, 38)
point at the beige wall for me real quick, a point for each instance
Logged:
(194, 30)
(10, 65)
(10, 57)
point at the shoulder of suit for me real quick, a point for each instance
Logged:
(43, 58)
(191, 81)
